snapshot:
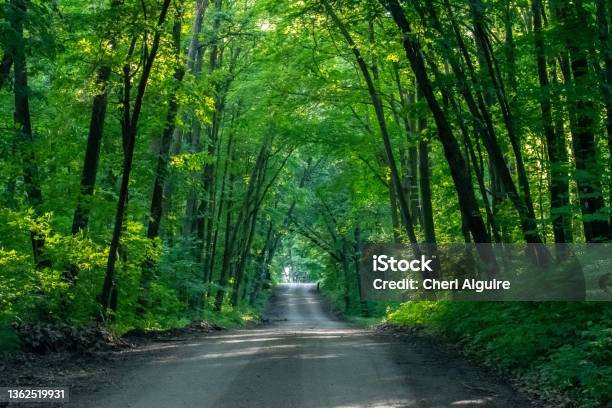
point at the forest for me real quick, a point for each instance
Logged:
(168, 161)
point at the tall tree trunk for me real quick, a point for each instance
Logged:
(80, 218)
(5, 68)
(223, 197)
(194, 44)
(228, 248)
(195, 57)
(603, 30)
(206, 207)
(92, 152)
(129, 130)
(260, 263)
(510, 47)
(195, 54)
(425, 183)
(89, 173)
(408, 158)
(554, 142)
(413, 183)
(559, 118)
(394, 215)
(161, 172)
(23, 122)
(563, 164)
(588, 177)
(412, 175)
(240, 271)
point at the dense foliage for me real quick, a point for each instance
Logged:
(561, 351)
(169, 160)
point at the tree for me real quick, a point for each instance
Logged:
(23, 122)
(463, 185)
(131, 114)
(588, 177)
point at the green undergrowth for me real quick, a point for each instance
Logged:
(8, 338)
(560, 351)
(230, 317)
(234, 318)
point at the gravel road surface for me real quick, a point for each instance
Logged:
(302, 357)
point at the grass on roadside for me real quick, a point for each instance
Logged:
(561, 351)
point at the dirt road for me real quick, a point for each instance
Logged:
(302, 358)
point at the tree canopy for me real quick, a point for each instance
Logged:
(162, 160)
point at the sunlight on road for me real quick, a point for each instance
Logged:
(480, 401)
